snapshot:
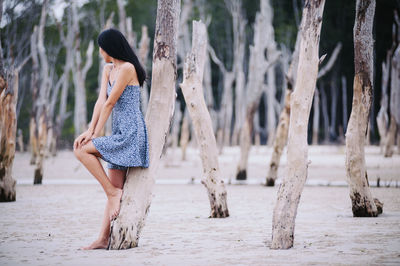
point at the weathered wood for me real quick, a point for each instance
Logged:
(192, 90)
(136, 199)
(144, 48)
(79, 77)
(289, 192)
(239, 23)
(8, 126)
(259, 65)
(284, 118)
(362, 202)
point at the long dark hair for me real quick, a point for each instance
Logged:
(115, 44)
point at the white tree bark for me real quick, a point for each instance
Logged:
(296, 172)
(316, 113)
(259, 65)
(284, 118)
(362, 202)
(344, 103)
(239, 42)
(79, 76)
(192, 89)
(226, 108)
(138, 187)
(40, 95)
(144, 48)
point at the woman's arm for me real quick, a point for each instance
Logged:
(127, 71)
(102, 97)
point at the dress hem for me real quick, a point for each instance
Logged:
(109, 161)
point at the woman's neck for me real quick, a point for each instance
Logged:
(117, 63)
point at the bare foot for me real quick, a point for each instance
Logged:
(114, 202)
(98, 244)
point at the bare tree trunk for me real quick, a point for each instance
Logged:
(138, 187)
(259, 65)
(8, 125)
(362, 202)
(40, 97)
(144, 48)
(334, 97)
(344, 103)
(79, 77)
(239, 41)
(184, 140)
(325, 115)
(226, 107)
(290, 190)
(20, 140)
(382, 117)
(284, 118)
(316, 113)
(174, 134)
(193, 92)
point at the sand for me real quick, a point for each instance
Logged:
(48, 223)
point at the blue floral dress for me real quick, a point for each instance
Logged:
(128, 144)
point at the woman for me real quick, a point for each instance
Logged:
(127, 146)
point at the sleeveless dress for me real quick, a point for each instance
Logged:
(128, 144)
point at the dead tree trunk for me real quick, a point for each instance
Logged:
(8, 126)
(259, 65)
(239, 41)
(39, 117)
(344, 103)
(225, 113)
(315, 117)
(362, 202)
(192, 89)
(136, 199)
(144, 48)
(284, 118)
(79, 77)
(290, 190)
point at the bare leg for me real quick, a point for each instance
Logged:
(117, 178)
(88, 156)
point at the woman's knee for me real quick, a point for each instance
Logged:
(78, 153)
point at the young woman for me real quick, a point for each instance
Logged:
(127, 146)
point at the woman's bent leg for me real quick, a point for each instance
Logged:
(88, 156)
(117, 178)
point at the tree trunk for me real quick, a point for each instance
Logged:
(316, 113)
(144, 48)
(8, 126)
(264, 43)
(382, 117)
(362, 202)
(280, 140)
(184, 140)
(138, 187)
(239, 42)
(79, 77)
(193, 92)
(325, 115)
(284, 118)
(344, 103)
(290, 190)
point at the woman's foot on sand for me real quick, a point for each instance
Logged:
(114, 202)
(98, 244)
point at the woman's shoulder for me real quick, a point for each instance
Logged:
(128, 67)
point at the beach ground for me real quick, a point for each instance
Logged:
(48, 223)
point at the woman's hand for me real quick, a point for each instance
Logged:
(83, 139)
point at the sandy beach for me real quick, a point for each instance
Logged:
(48, 223)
